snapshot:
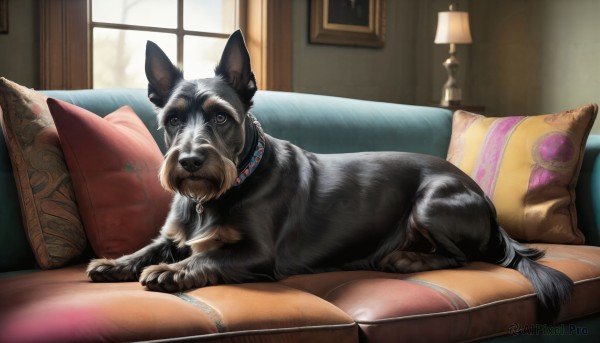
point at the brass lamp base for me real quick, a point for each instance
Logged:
(451, 92)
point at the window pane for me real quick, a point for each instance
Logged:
(201, 55)
(120, 56)
(217, 16)
(156, 13)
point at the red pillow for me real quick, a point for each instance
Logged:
(114, 163)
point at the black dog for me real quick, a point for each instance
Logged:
(248, 207)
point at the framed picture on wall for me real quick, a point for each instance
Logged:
(348, 22)
(3, 16)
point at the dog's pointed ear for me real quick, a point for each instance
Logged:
(162, 75)
(235, 67)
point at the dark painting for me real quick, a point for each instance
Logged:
(349, 12)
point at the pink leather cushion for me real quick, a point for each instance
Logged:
(114, 163)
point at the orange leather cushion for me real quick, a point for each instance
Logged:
(62, 306)
(114, 163)
(528, 166)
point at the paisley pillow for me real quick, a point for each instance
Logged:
(46, 194)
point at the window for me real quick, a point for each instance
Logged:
(192, 33)
(66, 45)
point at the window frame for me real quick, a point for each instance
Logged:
(66, 37)
(179, 31)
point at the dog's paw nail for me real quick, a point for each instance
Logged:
(105, 270)
(161, 278)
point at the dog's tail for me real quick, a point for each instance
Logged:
(553, 288)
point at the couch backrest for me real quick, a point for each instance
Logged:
(328, 124)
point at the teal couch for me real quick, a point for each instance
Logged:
(477, 302)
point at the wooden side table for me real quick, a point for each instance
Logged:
(469, 108)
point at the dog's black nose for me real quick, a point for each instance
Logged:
(191, 163)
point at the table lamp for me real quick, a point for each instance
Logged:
(452, 28)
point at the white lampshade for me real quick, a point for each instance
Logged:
(453, 27)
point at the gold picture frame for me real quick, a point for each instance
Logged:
(3, 16)
(348, 22)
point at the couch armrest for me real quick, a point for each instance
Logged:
(588, 192)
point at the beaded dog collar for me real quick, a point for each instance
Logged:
(256, 157)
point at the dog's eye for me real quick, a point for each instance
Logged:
(174, 121)
(220, 118)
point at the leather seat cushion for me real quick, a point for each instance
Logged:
(64, 306)
(478, 300)
(475, 301)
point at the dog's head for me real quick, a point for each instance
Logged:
(207, 130)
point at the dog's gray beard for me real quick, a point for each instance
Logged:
(213, 179)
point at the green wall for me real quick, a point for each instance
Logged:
(378, 74)
(19, 49)
(535, 56)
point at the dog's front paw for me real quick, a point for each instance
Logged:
(108, 270)
(170, 278)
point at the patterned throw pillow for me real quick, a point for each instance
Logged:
(528, 166)
(46, 195)
(114, 163)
